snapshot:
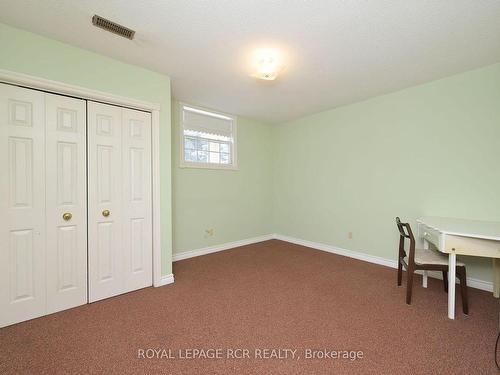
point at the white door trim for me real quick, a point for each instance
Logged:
(55, 87)
(15, 78)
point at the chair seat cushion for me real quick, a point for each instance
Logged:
(428, 256)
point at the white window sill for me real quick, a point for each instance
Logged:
(209, 166)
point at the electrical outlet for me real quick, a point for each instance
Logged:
(349, 235)
(209, 232)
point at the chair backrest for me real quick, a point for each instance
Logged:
(406, 232)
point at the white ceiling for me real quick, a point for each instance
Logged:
(339, 51)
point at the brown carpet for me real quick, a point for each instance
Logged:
(269, 295)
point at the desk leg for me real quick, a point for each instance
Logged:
(452, 262)
(496, 277)
(425, 276)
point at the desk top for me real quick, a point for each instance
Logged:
(488, 230)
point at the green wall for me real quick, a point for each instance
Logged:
(236, 204)
(427, 150)
(35, 55)
(431, 150)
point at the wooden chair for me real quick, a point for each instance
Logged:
(426, 260)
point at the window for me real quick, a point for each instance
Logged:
(208, 139)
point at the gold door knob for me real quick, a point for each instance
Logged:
(105, 213)
(67, 216)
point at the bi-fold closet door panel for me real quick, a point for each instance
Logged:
(22, 204)
(119, 204)
(42, 161)
(137, 200)
(66, 202)
(105, 197)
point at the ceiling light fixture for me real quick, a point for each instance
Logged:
(268, 64)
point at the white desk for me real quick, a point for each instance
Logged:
(462, 237)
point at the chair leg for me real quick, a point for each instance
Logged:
(445, 281)
(463, 290)
(400, 272)
(409, 284)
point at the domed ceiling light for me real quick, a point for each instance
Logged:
(268, 63)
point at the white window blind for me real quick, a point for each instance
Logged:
(208, 138)
(207, 123)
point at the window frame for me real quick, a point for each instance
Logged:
(190, 164)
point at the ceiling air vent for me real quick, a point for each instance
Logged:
(113, 27)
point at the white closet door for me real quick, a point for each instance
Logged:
(119, 172)
(105, 246)
(22, 204)
(137, 210)
(66, 197)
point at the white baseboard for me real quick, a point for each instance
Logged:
(339, 251)
(221, 247)
(480, 284)
(471, 282)
(167, 279)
